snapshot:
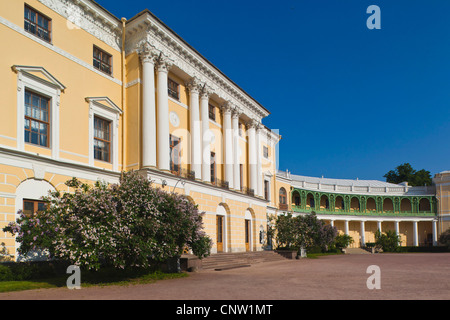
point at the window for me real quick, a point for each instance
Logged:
(283, 196)
(266, 152)
(173, 88)
(266, 189)
(32, 207)
(212, 113)
(241, 175)
(37, 24)
(175, 154)
(37, 119)
(102, 139)
(213, 168)
(102, 61)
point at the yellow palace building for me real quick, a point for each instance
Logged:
(88, 95)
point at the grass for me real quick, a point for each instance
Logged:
(101, 279)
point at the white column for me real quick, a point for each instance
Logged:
(228, 144)
(346, 227)
(434, 223)
(379, 226)
(259, 183)
(148, 57)
(163, 116)
(236, 148)
(332, 223)
(195, 128)
(397, 227)
(252, 162)
(363, 231)
(206, 135)
(416, 234)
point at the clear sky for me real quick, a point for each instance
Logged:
(349, 102)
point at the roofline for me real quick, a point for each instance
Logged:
(147, 11)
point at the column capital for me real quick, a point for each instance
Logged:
(206, 92)
(194, 85)
(227, 107)
(252, 124)
(147, 52)
(236, 112)
(164, 64)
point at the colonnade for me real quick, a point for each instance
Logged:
(155, 130)
(362, 231)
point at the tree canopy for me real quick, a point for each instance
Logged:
(406, 173)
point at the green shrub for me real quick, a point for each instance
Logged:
(6, 274)
(388, 241)
(444, 238)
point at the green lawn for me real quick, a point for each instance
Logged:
(90, 280)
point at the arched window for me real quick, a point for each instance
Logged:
(283, 196)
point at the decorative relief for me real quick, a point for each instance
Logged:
(174, 119)
(89, 21)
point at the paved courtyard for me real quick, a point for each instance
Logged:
(417, 276)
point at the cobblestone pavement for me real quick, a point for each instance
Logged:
(407, 276)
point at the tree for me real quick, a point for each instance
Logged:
(122, 225)
(299, 232)
(406, 173)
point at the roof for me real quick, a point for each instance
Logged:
(343, 182)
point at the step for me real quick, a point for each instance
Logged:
(226, 261)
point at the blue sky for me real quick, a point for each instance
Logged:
(349, 102)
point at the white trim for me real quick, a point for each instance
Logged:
(51, 90)
(57, 50)
(111, 113)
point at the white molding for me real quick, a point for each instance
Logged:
(51, 90)
(57, 50)
(147, 29)
(82, 14)
(112, 113)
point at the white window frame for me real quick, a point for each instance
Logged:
(49, 87)
(104, 108)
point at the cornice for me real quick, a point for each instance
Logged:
(89, 17)
(147, 28)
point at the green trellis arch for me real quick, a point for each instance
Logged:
(413, 203)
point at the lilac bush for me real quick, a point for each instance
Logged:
(302, 231)
(123, 225)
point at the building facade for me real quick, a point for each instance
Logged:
(361, 207)
(89, 95)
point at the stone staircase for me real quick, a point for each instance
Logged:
(225, 261)
(356, 251)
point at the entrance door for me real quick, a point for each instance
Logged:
(247, 235)
(219, 225)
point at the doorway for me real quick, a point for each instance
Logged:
(247, 234)
(219, 226)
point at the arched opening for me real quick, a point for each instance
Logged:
(296, 199)
(221, 227)
(248, 229)
(310, 203)
(339, 204)
(29, 199)
(355, 205)
(405, 205)
(324, 203)
(424, 205)
(371, 205)
(388, 205)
